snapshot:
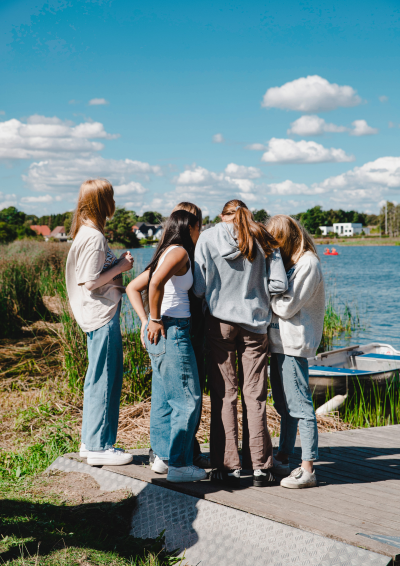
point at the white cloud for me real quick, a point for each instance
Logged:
(213, 189)
(73, 101)
(57, 174)
(43, 198)
(310, 94)
(242, 172)
(383, 98)
(129, 189)
(257, 147)
(312, 126)
(2, 113)
(361, 128)
(371, 178)
(42, 137)
(289, 151)
(391, 125)
(98, 102)
(290, 188)
(7, 200)
(218, 138)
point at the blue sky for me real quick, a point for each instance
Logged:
(285, 105)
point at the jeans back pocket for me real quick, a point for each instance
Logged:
(155, 349)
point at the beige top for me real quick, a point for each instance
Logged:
(88, 258)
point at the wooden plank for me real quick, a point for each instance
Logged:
(345, 507)
(371, 466)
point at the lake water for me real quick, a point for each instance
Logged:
(365, 278)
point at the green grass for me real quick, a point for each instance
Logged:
(338, 321)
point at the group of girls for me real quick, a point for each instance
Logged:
(232, 298)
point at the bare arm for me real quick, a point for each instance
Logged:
(125, 264)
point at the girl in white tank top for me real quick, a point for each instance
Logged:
(175, 302)
(176, 393)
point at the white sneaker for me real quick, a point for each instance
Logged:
(84, 452)
(110, 457)
(280, 469)
(188, 473)
(159, 466)
(299, 479)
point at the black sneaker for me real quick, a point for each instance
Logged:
(227, 477)
(151, 456)
(202, 461)
(263, 478)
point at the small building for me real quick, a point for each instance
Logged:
(325, 230)
(59, 233)
(349, 228)
(147, 231)
(42, 230)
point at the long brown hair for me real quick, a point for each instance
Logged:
(248, 231)
(190, 207)
(294, 240)
(95, 204)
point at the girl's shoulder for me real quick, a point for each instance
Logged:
(90, 238)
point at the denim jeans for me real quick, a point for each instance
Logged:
(103, 383)
(175, 393)
(292, 400)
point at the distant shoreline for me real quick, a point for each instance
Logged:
(358, 242)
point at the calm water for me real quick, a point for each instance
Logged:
(364, 278)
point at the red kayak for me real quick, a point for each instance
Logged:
(330, 252)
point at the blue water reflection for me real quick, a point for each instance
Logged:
(364, 278)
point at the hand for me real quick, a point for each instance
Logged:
(144, 322)
(125, 261)
(153, 331)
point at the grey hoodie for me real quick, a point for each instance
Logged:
(236, 290)
(298, 318)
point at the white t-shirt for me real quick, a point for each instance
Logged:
(88, 258)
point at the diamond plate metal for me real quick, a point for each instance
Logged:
(209, 534)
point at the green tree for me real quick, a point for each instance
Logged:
(68, 222)
(119, 228)
(8, 233)
(217, 219)
(206, 220)
(12, 216)
(151, 217)
(25, 231)
(260, 215)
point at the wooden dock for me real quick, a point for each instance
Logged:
(358, 495)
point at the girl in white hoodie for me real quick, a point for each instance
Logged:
(294, 335)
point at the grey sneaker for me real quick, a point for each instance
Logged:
(187, 473)
(299, 479)
(280, 468)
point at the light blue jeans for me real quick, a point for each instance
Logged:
(175, 393)
(292, 400)
(103, 383)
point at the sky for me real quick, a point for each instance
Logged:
(285, 105)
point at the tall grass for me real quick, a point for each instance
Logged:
(23, 264)
(370, 404)
(338, 320)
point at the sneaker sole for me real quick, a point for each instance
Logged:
(159, 471)
(299, 486)
(261, 483)
(102, 462)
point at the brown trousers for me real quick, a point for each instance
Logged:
(224, 340)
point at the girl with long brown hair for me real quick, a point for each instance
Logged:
(238, 266)
(94, 285)
(295, 334)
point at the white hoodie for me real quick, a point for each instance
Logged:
(298, 314)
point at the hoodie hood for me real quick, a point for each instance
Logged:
(225, 241)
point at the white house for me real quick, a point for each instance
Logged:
(325, 230)
(59, 233)
(144, 230)
(349, 228)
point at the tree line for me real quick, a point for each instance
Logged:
(315, 217)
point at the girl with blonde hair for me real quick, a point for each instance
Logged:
(294, 336)
(94, 285)
(238, 266)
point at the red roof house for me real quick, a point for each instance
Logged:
(43, 230)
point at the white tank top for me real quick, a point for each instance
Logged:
(176, 299)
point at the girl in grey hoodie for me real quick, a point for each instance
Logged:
(237, 267)
(295, 334)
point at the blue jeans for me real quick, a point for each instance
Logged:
(292, 400)
(103, 383)
(175, 393)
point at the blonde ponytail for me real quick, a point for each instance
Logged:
(248, 231)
